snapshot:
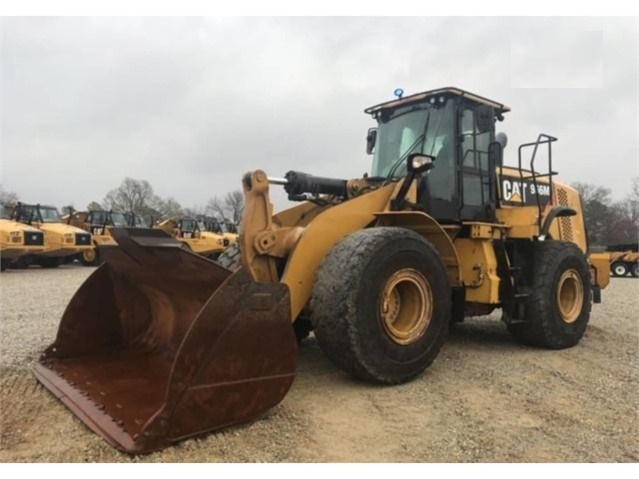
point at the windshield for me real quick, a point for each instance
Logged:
(118, 219)
(414, 129)
(188, 226)
(48, 214)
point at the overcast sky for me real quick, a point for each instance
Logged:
(190, 104)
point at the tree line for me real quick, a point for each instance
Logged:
(138, 196)
(608, 222)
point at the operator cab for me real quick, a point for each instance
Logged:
(457, 129)
(38, 213)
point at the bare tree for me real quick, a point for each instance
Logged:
(230, 207)
(131, 196)
(68, 209)
(94, 206)
(164, 208)
(597, 211)
(234, 204)
(7, 197)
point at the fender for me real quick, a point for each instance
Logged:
(430, 229)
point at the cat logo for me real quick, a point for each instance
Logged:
(514, 191)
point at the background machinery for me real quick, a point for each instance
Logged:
(17, 240)
(194, 236)
(61, 240)
(624, 259)
(98, 223)
(226, 228)
(160, 344)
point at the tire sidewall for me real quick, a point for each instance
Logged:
(564, 334)
(372, 336)
(614, 267)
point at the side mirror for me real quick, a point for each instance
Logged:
(418, 163)
(371, 137)
(485, 118)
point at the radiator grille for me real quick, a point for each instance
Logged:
(565, 222)
(33, 238)
(82, 239)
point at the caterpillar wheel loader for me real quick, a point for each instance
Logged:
(195, 237)
(99, 224)
(61, 240)
(17, 240)
(160, 344)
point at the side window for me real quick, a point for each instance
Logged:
(474, 160)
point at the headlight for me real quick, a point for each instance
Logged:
(68, 236)
(14, 233)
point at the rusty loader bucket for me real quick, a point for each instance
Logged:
(160, 344)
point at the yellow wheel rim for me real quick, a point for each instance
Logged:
(406, 306)
(570, 296)
(89, 255)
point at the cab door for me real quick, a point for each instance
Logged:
(477, 192)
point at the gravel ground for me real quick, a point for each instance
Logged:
(485, 398)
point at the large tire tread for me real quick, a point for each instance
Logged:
(542, 325)
(338, 291)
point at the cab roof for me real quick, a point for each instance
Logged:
(418, 97)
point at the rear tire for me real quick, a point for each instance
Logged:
(4, 264)
(634, 270)
(619, 269)
(381, 304)
(558, 309)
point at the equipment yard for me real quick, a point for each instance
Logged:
(485, 398)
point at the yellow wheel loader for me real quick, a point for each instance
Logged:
(160, 344)
(99, 224)
(195, 237)
(61, 240)
(17, 240)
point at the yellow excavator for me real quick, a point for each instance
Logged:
(160, 344)
(17, 240)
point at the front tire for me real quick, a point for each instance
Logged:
(558, 309)
(381, 304)
(90, 257)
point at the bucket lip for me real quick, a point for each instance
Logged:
(98, 421)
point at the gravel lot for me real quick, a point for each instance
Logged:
(486, 398)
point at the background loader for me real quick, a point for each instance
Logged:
(160, 344)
